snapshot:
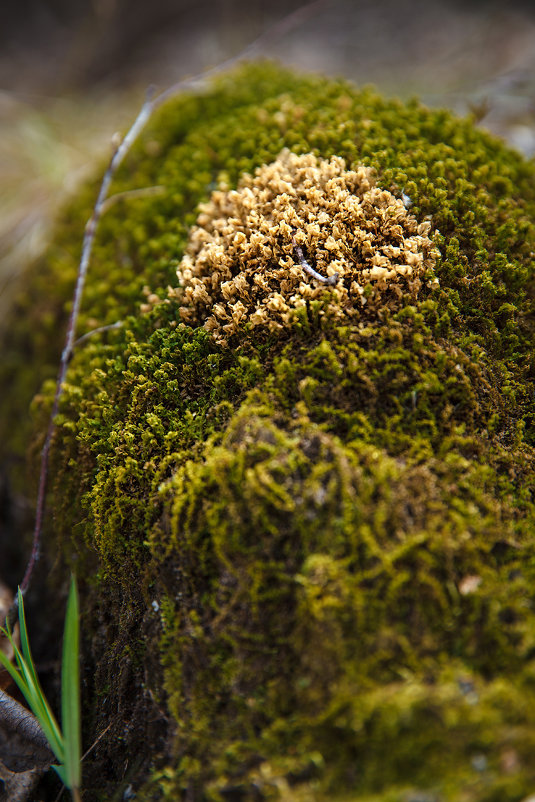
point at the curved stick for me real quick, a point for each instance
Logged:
(310, 270)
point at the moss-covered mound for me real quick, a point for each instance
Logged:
(303, 526)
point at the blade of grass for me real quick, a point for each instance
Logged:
(42, 713)
(70, 692)
(24, 642)
(34, 695)
(60, 771)
(10, 668)
(67, 745)
(25, 678)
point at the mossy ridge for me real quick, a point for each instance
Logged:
(322, 597)
(147, 406)
(235, 582)
(449, 169)
(127, 426)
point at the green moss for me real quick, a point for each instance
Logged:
(307, 561)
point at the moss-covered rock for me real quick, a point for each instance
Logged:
(301, 513)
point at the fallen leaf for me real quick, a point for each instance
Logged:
(23, 744)
(24, 751)
(17, 787)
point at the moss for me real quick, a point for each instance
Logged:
(306, 552)
(240, 266)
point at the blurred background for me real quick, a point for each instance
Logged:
(74, 71)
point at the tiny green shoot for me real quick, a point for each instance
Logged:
(65, 745)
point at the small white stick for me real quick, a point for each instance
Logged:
(310, 270)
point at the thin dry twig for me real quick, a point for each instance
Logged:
(117, 325)
(120, 151)
(309, 269)
(142, 192)
(86, 753)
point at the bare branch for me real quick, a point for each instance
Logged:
(89, 236)
(142, 192)
(119, 324)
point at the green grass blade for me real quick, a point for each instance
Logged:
(26, 679)
(33, 692)
(70, 692)
(60, 771)
(67, 745)
(41, 709)
(24, 642)
(8, 665)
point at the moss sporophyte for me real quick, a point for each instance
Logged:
(300, 511)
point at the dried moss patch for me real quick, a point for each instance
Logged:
(244, 262)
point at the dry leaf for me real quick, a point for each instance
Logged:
(23, 744)
(17, 787)
(24, 751)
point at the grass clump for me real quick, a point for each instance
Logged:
(64, 744)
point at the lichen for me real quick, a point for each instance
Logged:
(303, 536)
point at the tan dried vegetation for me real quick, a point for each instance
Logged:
(243, 262)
